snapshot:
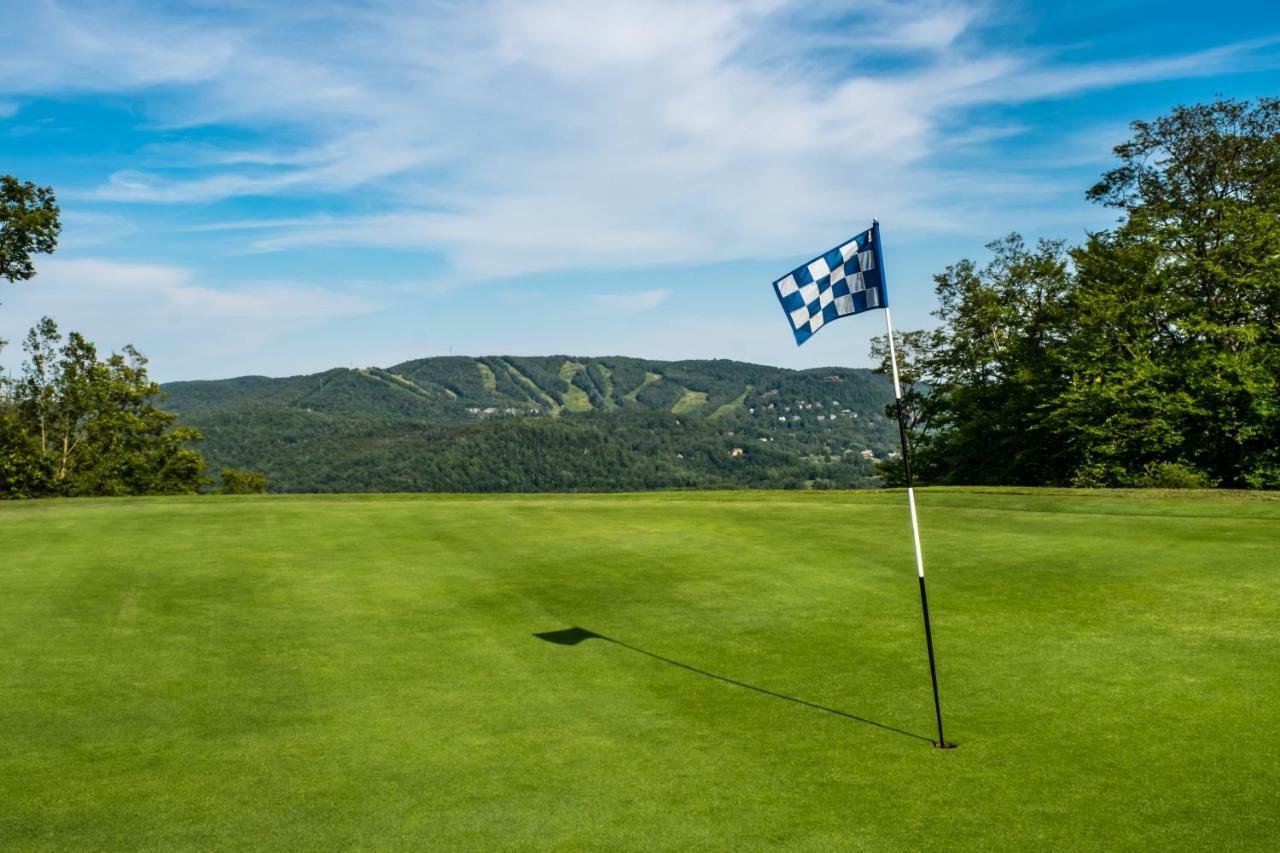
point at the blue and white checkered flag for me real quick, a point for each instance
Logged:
(847, 280)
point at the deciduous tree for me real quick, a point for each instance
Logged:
(29, 224)
(1153, 347)
(74, 424)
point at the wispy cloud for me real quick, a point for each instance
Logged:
(1037, 83)
(167, 308)
(105, 285)
(566, 134)
(631, 303)
(86, 229)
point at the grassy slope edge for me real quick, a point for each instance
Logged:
(361, 671)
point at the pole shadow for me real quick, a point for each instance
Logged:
(575, 635)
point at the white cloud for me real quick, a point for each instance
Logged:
(103, 47)
(166, 311)
(149, 290)
(524, 135)
(1037, 83)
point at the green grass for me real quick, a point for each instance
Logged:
(575, 399)
(606, 374)
(690, 401)
(531, 388)
(487, 379)
(649, 378)
(360, 672)
(731, 406)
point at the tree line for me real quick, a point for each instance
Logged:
(75, 423)
(635, 449)
(1148, 355)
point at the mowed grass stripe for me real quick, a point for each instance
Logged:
(361, 671)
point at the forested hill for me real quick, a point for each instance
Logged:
(546, 423)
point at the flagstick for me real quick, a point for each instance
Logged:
(915, 524)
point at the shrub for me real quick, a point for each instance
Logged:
(1173, 475)
(236, 482)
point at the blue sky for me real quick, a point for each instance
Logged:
(257, 188)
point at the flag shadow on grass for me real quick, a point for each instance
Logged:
(575, 635)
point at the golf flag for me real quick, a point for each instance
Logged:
(846, 280)
(849, 279)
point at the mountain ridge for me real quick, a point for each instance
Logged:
(662, 424)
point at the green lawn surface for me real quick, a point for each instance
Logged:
(361, 672)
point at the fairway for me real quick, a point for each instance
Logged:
(357, 672)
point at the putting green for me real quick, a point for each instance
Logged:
(328, 672)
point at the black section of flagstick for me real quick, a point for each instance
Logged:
(924, 597)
